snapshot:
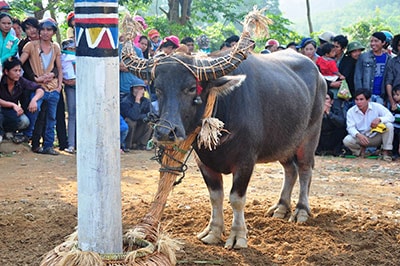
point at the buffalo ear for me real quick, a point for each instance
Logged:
(226, 84)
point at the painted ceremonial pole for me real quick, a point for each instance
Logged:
(98, 156)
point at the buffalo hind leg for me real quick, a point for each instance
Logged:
(212, 234)
(303, 212)
(282, 209)
(305, 164)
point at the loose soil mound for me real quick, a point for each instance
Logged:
(355, 205)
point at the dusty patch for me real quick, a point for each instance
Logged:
(355, 205)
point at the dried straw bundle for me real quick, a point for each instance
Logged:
(163, 253)
(210, 132)
(256, 23)
(129, 28)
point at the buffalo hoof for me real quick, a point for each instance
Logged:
(234, 242)
(208, 237)
(279, 211)
(299, 216)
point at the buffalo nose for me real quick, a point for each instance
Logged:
(166, 133)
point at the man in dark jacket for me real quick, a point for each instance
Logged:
(12, 88)
(333, 129)
(134, 109)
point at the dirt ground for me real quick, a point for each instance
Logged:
(355, 205)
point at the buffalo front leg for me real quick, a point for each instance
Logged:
(238, 237)
(282, 209)
(212, 234)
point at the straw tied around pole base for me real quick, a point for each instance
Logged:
(146, 244)
(138, 252)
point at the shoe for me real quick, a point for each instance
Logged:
(18, 139)
(49, 151)
(70, 150)
(37, 149)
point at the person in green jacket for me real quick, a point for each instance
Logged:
(8, 42)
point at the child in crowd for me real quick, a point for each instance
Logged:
(327, 64)
(68, 60)
(155, 41)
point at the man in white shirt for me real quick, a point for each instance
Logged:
(364, 126)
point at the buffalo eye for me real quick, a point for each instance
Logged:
(190, 91)
(158, 92)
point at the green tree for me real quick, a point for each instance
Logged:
(36, 8)
(217, 18)
(363, 29)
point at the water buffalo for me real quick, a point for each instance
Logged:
(272, 107)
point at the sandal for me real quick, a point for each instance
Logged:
(387, 158)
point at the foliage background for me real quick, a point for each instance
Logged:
(220, 19)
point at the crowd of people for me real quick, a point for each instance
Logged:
(37, 73)
(366, 122)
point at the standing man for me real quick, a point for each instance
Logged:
(340, 43)
(369, 124)
(370, 68)
(44, 55)
(392, 76)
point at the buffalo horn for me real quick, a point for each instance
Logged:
(213, 68)
(138, 66)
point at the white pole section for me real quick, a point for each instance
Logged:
(98, 134)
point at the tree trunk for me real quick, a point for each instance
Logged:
(310, 27)
(39, 11)
(185, 11)
(173, 13)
